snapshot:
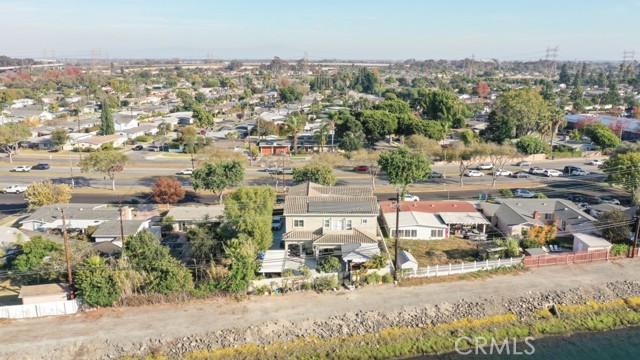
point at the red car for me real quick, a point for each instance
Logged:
(361, 168)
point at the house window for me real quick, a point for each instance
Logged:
(439, 234)
(348, 225)
(327, 223)
(548, 216)
(400, 233)
(298, 223)
(364, 221)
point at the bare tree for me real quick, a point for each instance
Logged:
(466, 157)
(500, 155)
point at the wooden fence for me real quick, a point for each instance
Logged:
(463, 268)
(566, 258)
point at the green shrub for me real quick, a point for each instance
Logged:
(287, 273)
(330, 264)
(566, 155)
(620, 249)
(307, 285)
(387, 278)
(540, 196)
(107, 146)
(506, 193)
(143, 138)
(325, 283)
(89, 149)
(306, 272)
(374, 278)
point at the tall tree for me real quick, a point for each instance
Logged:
(109, 162)
(516, 113)
(106, 119)
(500, 156)
(59, 137)
(623, 169)
(404, 166)
(615, 226)
(564, 77)
(377, 124)
(47, 193)
(96, 282)
(167, 190)
(248, 210)
(601, 135)
(315, 172)
(10, 136)
(217, 177)
(295, 125)
(466, 157)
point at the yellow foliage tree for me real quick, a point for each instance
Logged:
(542, 234)
(47, 193)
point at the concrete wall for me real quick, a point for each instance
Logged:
(44, 299)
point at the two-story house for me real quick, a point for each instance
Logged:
(329, 220)
(515, 216)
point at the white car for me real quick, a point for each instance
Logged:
(276, 223)
(501, 172)
(409, 197)
(21, 168)
(552, 172)
(580, 172)
(14, 189)
(524, 193)
(536, 170)
(485, 166)
(595, 162)
(185, 172)
(474, 173)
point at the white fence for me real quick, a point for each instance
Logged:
(38, 310)
(462, 268)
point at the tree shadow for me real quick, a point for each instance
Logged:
(78, 181)
(150, 180)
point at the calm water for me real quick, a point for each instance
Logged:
(620, 344)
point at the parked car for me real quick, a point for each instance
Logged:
(185, 172)
(14, 189)
(21, 168)
(272, 169)
(409, 197)
(153, 148)
(435, 175)
(474, 173)
(361, 168)
(485, 166)
(41, 167)
(138, 148)
(524, 193)
(276, 223)
(595, 162)
(609, 200)
(287, 171)
(536, 170)
(521, 174)
(279, 202)
(569, 168)
(580, 172)
(583, 206)
(523, 163)
(552, 173)
(501, 172)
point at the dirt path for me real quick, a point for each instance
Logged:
(33, 338)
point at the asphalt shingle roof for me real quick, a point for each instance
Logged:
(51, 213)
(354, 237)
(112, 228)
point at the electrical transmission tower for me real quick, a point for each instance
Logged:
(628, 56)
(550, 58)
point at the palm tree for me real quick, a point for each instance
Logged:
(294, 126)
(321, 135)
(556, 121)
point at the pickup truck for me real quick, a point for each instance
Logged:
(14, 189)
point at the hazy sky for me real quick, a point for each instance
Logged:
(346, 29)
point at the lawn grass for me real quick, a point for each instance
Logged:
(438, 252)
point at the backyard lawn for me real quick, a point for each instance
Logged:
(438, 252)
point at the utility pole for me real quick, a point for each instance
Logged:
(396, 273)
(121, 226)
(71, 168)
(635, 237)
(66, 253)
(283, 183)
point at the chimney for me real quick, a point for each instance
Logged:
(126, 213)
(536, 215)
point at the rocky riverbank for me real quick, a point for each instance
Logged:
(357, 323)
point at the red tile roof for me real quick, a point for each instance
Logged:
(432, 207)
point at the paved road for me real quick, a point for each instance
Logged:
(124, 326)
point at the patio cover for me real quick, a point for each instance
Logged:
(463, 218)
(359, 253)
